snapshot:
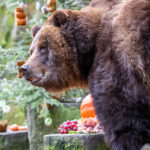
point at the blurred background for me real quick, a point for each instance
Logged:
(14, 45)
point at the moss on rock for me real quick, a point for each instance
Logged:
(14, 141)
(74, 142)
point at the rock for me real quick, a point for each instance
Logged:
(14, 141)
(74, 142)
(37, 129)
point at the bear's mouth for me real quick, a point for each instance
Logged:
(34, 79)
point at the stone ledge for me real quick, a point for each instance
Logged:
(74, 142)
(14, 141)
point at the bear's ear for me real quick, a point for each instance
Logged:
(34, 30)
(60, 17)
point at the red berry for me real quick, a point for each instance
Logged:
(75, 122)
(69, 129)
(61, 126)
(62, 132)
(59, 129)
(69, 126)
(68, 122)
(65, 126)
(65, 131)
(73, 125)
(75, 129)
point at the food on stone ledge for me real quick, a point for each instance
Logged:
(87, 109)
(22, 128)
(84, 125)
(16, 127)
(89, 125)
(68, 126)
(20, 17)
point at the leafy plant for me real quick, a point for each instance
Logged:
(15, 43)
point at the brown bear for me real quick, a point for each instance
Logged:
(105, 47)
(63, 50)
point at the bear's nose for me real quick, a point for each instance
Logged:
(24, 69)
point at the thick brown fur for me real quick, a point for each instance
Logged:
(104, 5)
(64, 47)
(106, 46)
(120, 77)
(62, 51)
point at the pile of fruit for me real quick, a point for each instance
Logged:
(68, 127)
(84, 125)
(89, 125)
(16, 127)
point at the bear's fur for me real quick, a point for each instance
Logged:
(64, 48)
(105, 47)
(120, 76)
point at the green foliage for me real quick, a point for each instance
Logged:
(16, 116)
(2, 105)
(72, 4)
(15, 42)
(75, 95)
(5, 32)
(65, 144)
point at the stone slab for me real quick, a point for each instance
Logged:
(74, 142)
(14, 141)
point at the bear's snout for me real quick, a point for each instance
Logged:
(28, 75)
(24, 69)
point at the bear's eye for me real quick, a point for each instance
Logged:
(43, 53)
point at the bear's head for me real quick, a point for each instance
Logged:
(62, 50)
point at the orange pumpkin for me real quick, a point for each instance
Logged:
(87, 109)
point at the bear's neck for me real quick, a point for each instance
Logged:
(80, 33)
(104, 5)
(85, 62)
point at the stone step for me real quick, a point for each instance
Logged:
(14, 141)
(74, 142)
